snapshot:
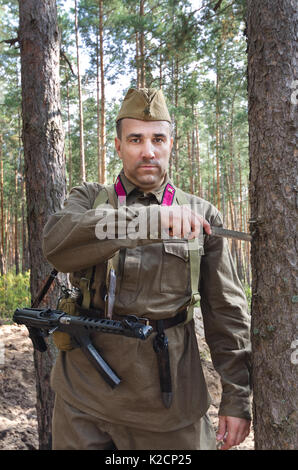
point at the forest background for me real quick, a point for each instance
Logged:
(194, 50)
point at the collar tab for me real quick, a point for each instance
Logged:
(168, 195)
(120, 190)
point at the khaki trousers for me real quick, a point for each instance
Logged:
(76, 430)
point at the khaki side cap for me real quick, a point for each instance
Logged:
(146, 104)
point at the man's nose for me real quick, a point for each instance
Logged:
(148, 149)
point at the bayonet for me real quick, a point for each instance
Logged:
(225, 233)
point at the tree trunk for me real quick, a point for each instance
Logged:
(197, 146)
(98, 110)
(44, 163)
(2, 270)
(69, 141)
(176, 143)
(217, 134)
(138, 61)
(25, 258)
(81, 115)
(190, 163)
(142, 47)
(102, 90)
(16, 231)
(160, 71)
(272, 65)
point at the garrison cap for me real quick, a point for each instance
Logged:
(146, 104)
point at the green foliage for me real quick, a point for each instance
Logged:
(195, 53)
(14, 292)
(247, 290)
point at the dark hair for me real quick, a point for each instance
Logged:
(119, 128)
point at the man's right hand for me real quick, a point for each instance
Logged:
(182, 222)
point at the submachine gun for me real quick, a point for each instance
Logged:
(42, 322)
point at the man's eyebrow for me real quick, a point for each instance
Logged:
(133, 135)
(160, 134)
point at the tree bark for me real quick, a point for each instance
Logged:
(81, 114)
(69, 139)
(197, 147)
(102, 98)
(176, 143)
(98, 109)
(16, 222)
(138, 61)
(2, 269)
(217, 111)
(273, 113)
(190, 163)
(142, 47)
(43, 141)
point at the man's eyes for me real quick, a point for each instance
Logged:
(157, 140)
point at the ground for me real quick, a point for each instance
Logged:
(18, 423)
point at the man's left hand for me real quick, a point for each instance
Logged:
(232, 431)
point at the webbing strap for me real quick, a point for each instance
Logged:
(106, 195)
(194, 259)
(85, 288)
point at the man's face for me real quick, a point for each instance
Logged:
(144, 149)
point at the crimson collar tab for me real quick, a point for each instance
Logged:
(120, 190)
(168, 195)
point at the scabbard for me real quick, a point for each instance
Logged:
(161, 348)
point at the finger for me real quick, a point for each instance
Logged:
(242, 434)
(230, 441)
(186, 226)
(196, 226)
(200, 224)
(222, 428)
(177, 224)
(203, 222)
(207, 227)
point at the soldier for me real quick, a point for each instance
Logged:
(162, 400)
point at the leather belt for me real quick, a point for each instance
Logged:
(169, 322)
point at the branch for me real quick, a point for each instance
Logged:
(216, 7)
(11, 42)
(63, 55)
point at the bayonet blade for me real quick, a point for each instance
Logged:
(225, 233)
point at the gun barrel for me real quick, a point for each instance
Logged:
(36, 317)
(104, 325)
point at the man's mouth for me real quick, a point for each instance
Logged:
(148, 166)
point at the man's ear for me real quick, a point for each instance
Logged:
(118, 146)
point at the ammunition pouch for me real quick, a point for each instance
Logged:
(62, 340)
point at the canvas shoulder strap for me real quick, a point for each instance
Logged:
(195, 252)
(106, 195)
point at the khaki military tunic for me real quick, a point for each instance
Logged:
(153, 281)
